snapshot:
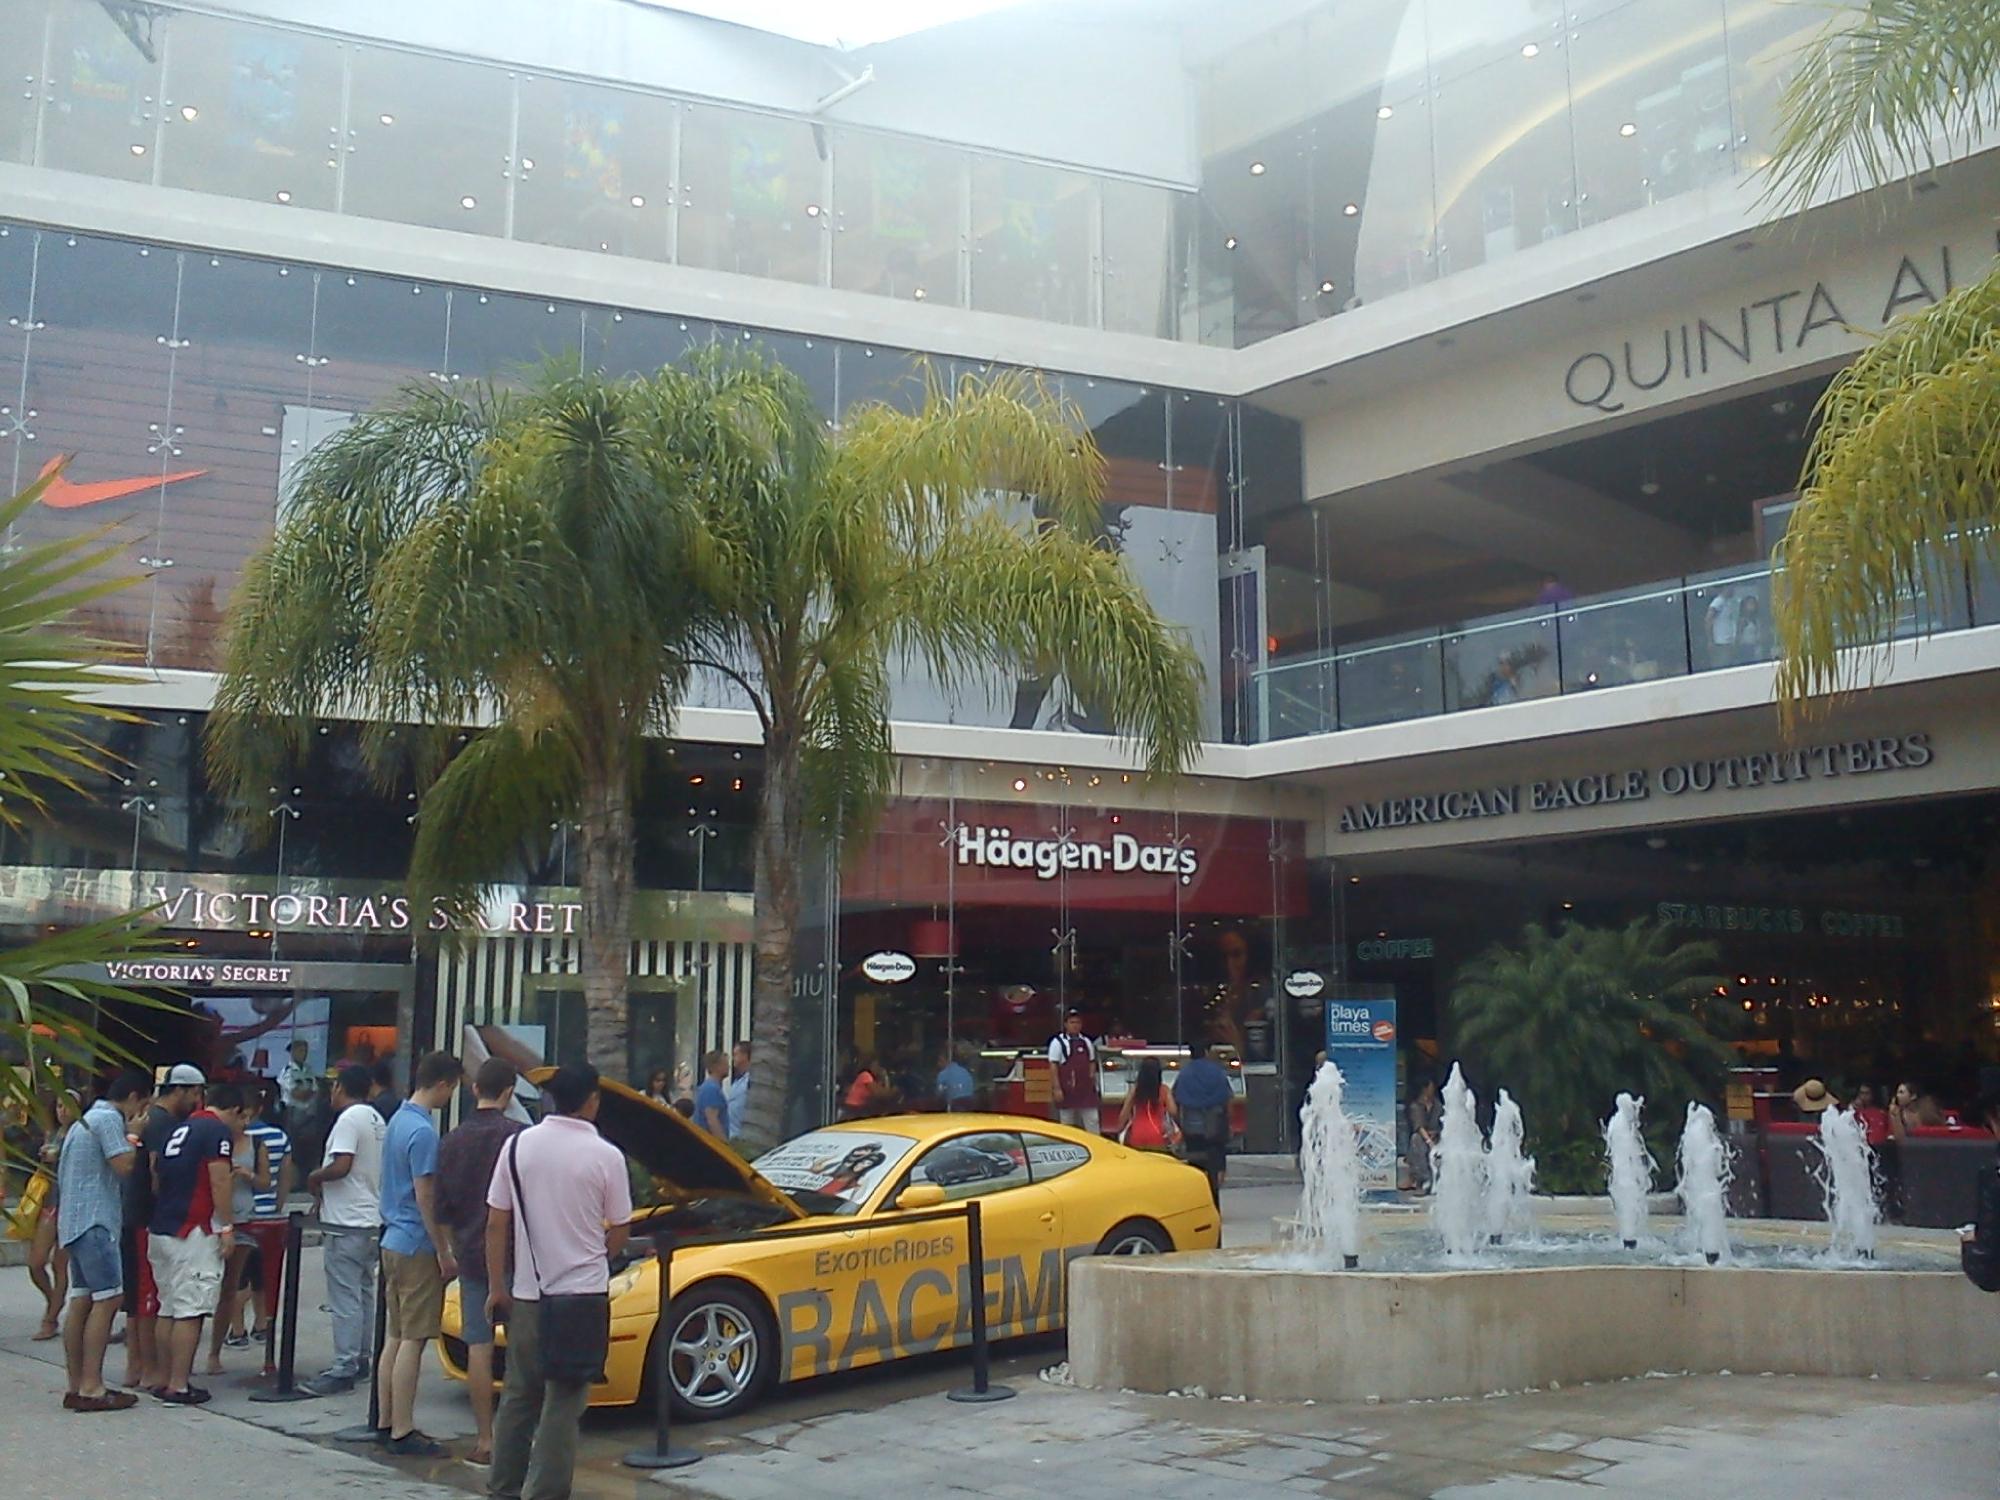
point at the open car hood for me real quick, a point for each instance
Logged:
(684, 1160)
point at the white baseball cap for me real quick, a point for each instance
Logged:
(182, 1075)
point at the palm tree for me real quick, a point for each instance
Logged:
(964, 535)
(1901, 484)
(47, 721)
(1565, 1020)
(511, 557)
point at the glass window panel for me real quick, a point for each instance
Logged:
(1395, 246)
(1502, 660)
(251, 111)
(622, 342)
(596, 168)
(1030, 241)
(1766, 47)
(1651, 113)
(869, 372)
(1505, 173)
(1385, 682)
(1141, 280)
(812, 360)
(371, 335)
(1728, 619)
(428, 141)
(492, 336)
(18, 249)
(103, 95)
(23, 32)
(750, 195)
(896, 226)
(1639, 635)
(98, 388)
(245, 332)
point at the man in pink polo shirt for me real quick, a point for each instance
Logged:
(561, 1203)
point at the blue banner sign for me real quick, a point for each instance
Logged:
(1361, 1042)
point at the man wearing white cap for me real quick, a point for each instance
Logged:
(192, 1230)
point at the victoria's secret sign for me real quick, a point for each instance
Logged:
(192, 906)
(1696, 777)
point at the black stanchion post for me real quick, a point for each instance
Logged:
(288, 1316)
(375, 1431)
(975, 1249)
(663, 1454)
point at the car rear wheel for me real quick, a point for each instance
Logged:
(722, 1351)
(1135, 1237)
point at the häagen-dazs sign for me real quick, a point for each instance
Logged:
(1680, 778)
(999, 849)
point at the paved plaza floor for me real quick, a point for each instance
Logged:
(890, 1434)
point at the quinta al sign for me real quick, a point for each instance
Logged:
(1680, 778)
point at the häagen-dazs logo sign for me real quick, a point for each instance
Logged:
(1303, 984)
(889, 968)
(999, 849)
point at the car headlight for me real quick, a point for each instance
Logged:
(627, 1280)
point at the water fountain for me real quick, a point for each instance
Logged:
(1330, 1163)
(1703, 1183)
(1510, 1174)
(1458, 1171)
(1848, 1178)
(1631, 1168)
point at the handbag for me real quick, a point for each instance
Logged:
(573, 1331)
(28, 1210)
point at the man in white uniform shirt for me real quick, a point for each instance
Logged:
(348, 1185)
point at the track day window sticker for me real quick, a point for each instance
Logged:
(844, 1164)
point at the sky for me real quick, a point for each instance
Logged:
(837, 23)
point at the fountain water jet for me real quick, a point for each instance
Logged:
(1703, 1183)
(1849, 1183)
(1330, 1162)
(1631, 1168)
(1510, 1174)
(1458, 1171)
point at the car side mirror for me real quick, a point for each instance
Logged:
(921, 1195)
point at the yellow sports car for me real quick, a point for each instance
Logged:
(865, 1287)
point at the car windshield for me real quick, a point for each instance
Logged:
(835, 1171)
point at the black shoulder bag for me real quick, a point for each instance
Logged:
(573, 1332)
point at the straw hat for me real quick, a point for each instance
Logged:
(1811, 1096)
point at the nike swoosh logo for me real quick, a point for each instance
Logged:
(61, 494)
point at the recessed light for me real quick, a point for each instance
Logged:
(1230, 243)
(1020, 785)
(638, 200)
(527, 164)
(137, 149)
(1628, 128)
(1530, 49)
(918, 294)
(283, 196)
(189, 112)
(812, 210)
(1256, 169)
(1385, 111)
(386, 119)
(1326, 286)
(468, 201)
(1351, 210)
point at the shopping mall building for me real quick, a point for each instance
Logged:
(1453, 388)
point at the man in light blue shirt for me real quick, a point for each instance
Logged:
(954, 1082)
(736, 1092)
(1203, 1093)
(90, 1213)
(416, 1258)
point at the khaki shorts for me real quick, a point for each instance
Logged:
(188, 1271)
(414, 1287)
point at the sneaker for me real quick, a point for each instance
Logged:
(414, 1444)
(236, 1341)
(328, 1384)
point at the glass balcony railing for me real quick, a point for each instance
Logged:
(1672, 629)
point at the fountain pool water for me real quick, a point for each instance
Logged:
(1631, 1168)
(1703, 1184)
(1848, 1179)
(1330, 1163)
(1458, 1166)
(1510, 1175)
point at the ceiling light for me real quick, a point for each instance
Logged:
(468, 201)
(812, 210)
(918, 294)
(527, 164)
(1530, 49)
(638, 200)
(283, 196)
(1230, 243)
(1256, 169)
(1326, 286)
(386, 119)
(1351, 210)
(1020, 785)
(188, 111)
(1385, 111)
(137, 149)
(1628, 128)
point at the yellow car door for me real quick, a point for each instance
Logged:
(1020, 1221)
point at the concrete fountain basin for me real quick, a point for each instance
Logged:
(1266, 1324)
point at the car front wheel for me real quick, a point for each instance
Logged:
(722, 1351)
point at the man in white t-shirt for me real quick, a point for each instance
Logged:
(348, 1185)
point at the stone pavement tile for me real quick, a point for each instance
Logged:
(1556, 1442)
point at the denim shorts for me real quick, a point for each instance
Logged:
(95, 1270)
(472, 1325)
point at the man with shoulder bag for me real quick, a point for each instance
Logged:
(560, 1203)
(1979, 1241)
